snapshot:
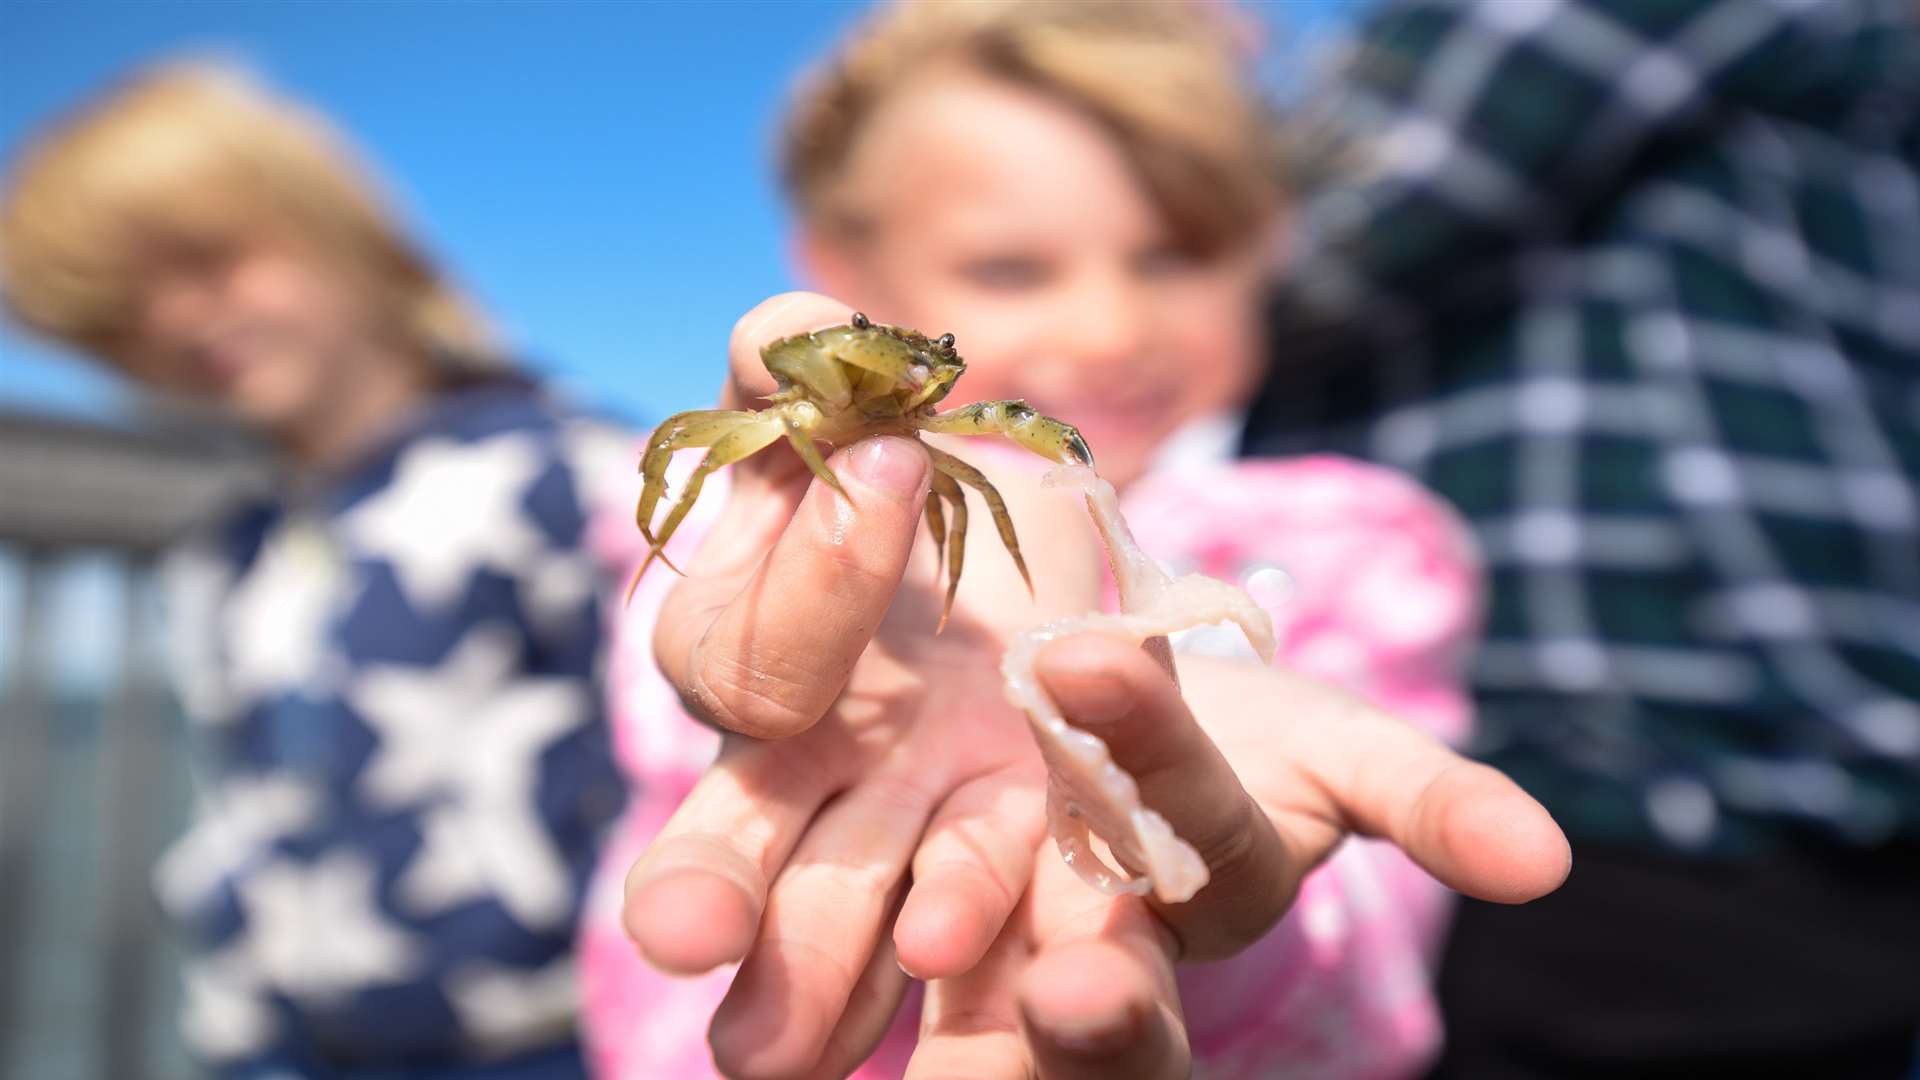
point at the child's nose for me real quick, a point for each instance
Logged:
(1105, 330)
(176, 304)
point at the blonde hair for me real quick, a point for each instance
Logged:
(198, 153)
(1168, 79)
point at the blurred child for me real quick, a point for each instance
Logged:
(1085, 194)
(389, 659)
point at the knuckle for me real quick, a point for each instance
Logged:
(967, 1021)
(741, 694)
(979, 880)
(1237, 859)
(825, 893)
(896, 795)
(1229, 853)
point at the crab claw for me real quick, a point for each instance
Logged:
(658, 551)
(1078, 447)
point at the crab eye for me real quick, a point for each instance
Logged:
(860, 321)
(945, 342)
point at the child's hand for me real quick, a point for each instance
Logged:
(894, 749)
(857, 743)
(1080, 984)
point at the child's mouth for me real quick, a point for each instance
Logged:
(1130, 416)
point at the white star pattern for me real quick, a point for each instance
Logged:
(507, 1008)
(501, 851)
(602, 461)
(315, 931)
(452, 508)
(600, 464)
(555, 589)
(225, 1014)
(281, 613)
(422, 714)
(245, 815)
(466, 731)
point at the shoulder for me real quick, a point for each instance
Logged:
(503, 449)
(1222, 513)
(1383, 578)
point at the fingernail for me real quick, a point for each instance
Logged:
(891, 466)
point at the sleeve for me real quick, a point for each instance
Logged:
(1459, 130)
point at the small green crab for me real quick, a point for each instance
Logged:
(847, 383)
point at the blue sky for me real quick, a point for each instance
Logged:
(597, 173)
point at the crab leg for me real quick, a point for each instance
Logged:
(746, 438)
(937, 525)
(946, 463)
(1043, 435)
(796, 420)
(682, 431)
(944, 487)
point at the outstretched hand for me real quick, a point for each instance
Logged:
(1268, 779)
(873, 776)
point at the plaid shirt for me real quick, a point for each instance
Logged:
(1636, 285)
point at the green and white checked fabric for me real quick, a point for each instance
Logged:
(1636, 285)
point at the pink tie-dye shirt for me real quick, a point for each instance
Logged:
(1384, 601)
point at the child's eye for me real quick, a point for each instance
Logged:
(194, 254)
(1008, 272)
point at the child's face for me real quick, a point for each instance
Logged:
(277, 337)
(1014, 222)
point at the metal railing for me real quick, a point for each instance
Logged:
(93, 780)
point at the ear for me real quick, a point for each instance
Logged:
(828, 264)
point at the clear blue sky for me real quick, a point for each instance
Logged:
(597, 173)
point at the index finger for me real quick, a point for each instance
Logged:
(787, 592)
